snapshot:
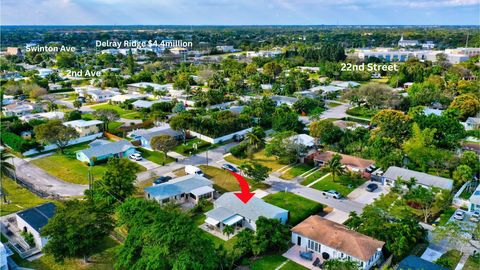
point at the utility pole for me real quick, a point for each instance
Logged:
(207, 156)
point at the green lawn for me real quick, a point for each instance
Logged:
(333, 104)
(225, 182)
(473, 263)
(343, 184)
(445, 216)
(112, 126)
(362, 112)
(19, 198)
(291, 265)
(268, 262)
(314, 176)
(259, 157)
(450, 259)
(66, 166)
(217, 241)
(123, 113)
(188, 149)
(299, 207)
(155, 156)
(296, 171)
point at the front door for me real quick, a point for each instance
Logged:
(299, 240)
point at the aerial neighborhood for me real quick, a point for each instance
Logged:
(248, 148)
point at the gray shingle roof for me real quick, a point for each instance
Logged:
(106, 149)
(177, 186)
(253, 209)
(425, 179)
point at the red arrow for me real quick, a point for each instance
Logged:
(245, 195)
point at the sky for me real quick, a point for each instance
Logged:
(240, 12)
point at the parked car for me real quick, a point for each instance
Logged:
(135, 156)
(229, 167)
(370, 168)
(371, 187)
(189, 169)
(475, 217)
(335, 194)
(459, 215)
(161, 180)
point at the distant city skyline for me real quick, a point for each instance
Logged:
(240, 12)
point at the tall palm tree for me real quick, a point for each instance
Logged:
(335, 166)
(253, 139)
(5, 169)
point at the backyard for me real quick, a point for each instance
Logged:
(299, 207)
(259, 157)
(273, 261)
(450, 259)
(127, 114)
(66, 166)
(343, 183)
(225, 182)
(18, 197)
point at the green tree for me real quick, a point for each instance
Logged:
(117, 184)
(6, 168)
(467, 104)
(462, 174)
(272, 70)
(77, 104)
(285, 149)
(106, 116)
(164, 143)
(75, 229)
(65, 59)
(470, 158)
(284, 119)
(424, 199)
(228, 230)
(181, 123)
(56, 133)
(335, 166)
(326, 131)
(254, 170)
(130, 62)
(74, 115)
(392, 124)
(271, 235)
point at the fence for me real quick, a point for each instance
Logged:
(51, 147)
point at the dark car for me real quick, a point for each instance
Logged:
(229, 167)
(161, 180)
(370, 168)
(371, 187)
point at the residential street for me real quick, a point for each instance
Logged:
(45, 182)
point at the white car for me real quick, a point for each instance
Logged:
(335, 194)
(135, 156)
(459, 215)
(475, 217)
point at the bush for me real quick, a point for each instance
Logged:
(28, 237)
(239, 150)
(16, 142)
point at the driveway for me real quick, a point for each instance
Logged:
(361, 195)
(337, 216)
(337, 112)
(44, 182)
(149, 165)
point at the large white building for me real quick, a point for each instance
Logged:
(454, 56)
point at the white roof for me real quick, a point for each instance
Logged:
(142, 104)
(83, 123)
(424, 179)
(123, 98)
(212, 221)
(202, 190)
(303, 139)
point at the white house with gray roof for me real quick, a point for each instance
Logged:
(102, 150)
(146, 135)
(230, 210)
(423, 179)
(189, 188)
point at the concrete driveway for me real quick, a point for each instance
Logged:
(361, 195)
(149, 165)
(337, 216)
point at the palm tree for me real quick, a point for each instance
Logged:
(228, 230)
(335, 166)
(5, 169)
(253, 139)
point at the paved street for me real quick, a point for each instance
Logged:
(336, 112)
(43, 181)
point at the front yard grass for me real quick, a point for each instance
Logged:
(473, 263)
(123, 113)
(296, 171)
(450, 259)
(19, 198)
(362, 112)
(259, 157)
(268, 262)
(155, 156)
(188, 149)
(343, 184)
(225, 182)
(66, 166)
(299, 208)
(314, 176)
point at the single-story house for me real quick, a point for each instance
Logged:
(105, 150)
(424, 179)
(230, 210)
(326, 89)
(19, 109)
(145, 135)
(303, 139)
(189, 188)
(472, 123)
(284, 100)
(142, 104)
(85, 127)
(474, 200)
(352, 163)
(99, 95)
(33, 219)
(236, 109)
(123, 98)
(137, 87)
(43, 116)
(416, 263)
(345, 85)
(305, 94)
(330, 240)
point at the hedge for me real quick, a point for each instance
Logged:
(16, 142)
